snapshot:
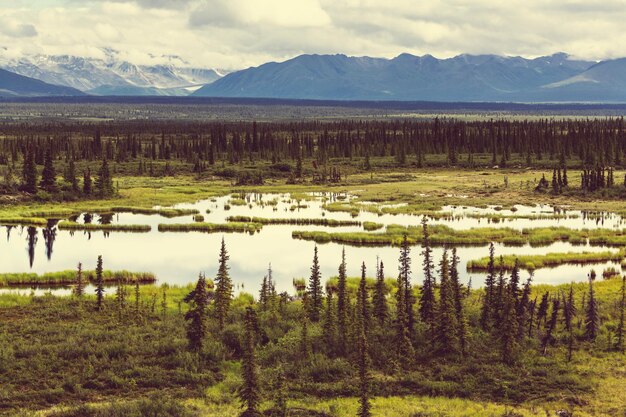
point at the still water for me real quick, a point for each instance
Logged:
(178, 258)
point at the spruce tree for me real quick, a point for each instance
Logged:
(70, 175)
(592, 321)
(365, 408)
(427, 300)
(314, 289)
(508, 330)
(486, 312)
(362, 301)
(458, 295)
(87, 186)
(329, 328)
(404, 280)
(79, 290)
(379, 299)
(447, 337)
(99, 284)
(223, 287)
(551, 327)
(197, 315)
(104, 181)
(48, 175)
(405, 351)
(249, 391)
(569, 311)
(29, 173)
(342, 304)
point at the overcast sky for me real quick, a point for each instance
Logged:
(235, 34)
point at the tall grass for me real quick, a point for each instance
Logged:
(300, 222)
(532, 262)
(69, 277)
(237, 227)
(23, 221)
(138, 228)
(165, 212)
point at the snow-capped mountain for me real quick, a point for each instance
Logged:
(111, 75)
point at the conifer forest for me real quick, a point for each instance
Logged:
(373, 263)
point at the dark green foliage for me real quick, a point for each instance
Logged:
(446, 333)
(48, 175)
(223, 287)
(342, 304)
(104, 181)
(87, 183)
(79, 290)
(404, 280)
(197, 315)
(99, 284)
(249, 392)
(29, 173)
(379, 299)
(619, 334)
(489, 298)
(314, 289)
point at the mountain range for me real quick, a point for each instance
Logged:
(468, 78)
(111, 75)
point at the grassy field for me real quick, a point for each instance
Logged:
(135, 362)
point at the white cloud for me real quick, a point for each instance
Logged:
(241, 33)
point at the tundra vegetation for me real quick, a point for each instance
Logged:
(412, 342)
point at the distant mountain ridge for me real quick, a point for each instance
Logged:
(557, 78)
(112, 75)
(15, 85)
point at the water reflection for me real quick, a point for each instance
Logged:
(178, 257)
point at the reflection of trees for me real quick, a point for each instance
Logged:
(49, 236)
(106, 218)
(87, 217)
(9, 228)
(32, 242)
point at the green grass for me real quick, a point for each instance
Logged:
(444, 235)
(69, 277)
(372, 226)
(300, 222)
(165, 212)
(532, 262)
(23, 221)
(239, 227)
(137, 228)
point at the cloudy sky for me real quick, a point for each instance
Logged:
(235, 34)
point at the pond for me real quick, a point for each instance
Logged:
(178, 257)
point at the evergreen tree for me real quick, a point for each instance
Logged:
(223, 287)
(87, 189)
(427, 300)
(551, 327)
(315, 290)
(342, 303)
(329, 328)
(70, 175)
(379, 299)
(249, 392)
(569, 311)
(404, 280)
(365, 408)
(104, 181)
(197, 315)
(592, 321)
(486, 312)
(79, 291)
(405, 350)
(29, 173)
(99, 284)
(362, 301)
(523, 309)
(458, 296)
(48, 175)
(446, 328)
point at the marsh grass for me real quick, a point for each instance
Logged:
(136, 228)
(68, 277)
(234, 227)
(532, 262)
(301, 221)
